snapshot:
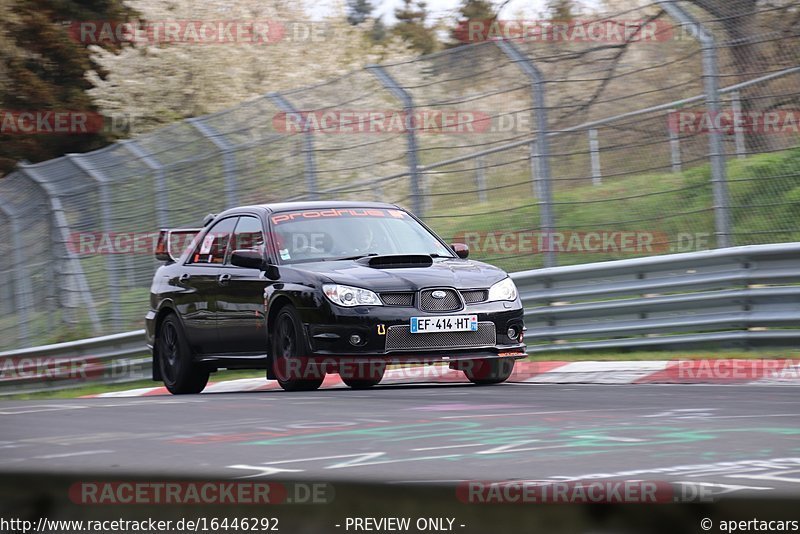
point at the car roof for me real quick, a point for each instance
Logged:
(315, 204)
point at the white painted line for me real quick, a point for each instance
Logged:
(516, 414)
(450, 447)
(505, 448)
(612, 438)
(616, 372)
(757, 415)
(241, 384)
(38, 408)
(138, 392)
(729, 487)
(70, 454)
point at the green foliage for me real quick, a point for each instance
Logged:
(764, 195)
(358, 11)
(561, 10)
(412, 26)
(764, 190)
(470, 10)
(44, 70)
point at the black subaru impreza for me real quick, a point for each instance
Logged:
(308, 288)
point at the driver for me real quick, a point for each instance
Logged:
(362, 238)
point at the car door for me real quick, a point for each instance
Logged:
(199, 280)
(241, 323)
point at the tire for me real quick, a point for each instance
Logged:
(288, 347)
(486, 372)
(361, 378)
(180, 374)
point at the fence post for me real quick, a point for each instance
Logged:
(715, 148)
(540, 160)
(159, 183)
(411, 134)
(480, 179)
(426, 181)
(61, 237)
(738, 131)
(674, 145)
(22, 290)
(310, 163)
(594, 151)
(114, 286)
(228, 159)
(533, 151)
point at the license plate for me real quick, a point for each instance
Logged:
(444, 323)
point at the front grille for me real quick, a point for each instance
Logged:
(450, 302)
(400, 338)
(398, 299)
(475, 295)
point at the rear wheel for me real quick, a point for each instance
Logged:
(289, 354)
(179, 372)
(362, 375)
(485, 372)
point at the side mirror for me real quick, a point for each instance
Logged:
(251, 259)
(461, 250)
(272, 272)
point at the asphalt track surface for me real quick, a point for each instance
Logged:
(732, 439)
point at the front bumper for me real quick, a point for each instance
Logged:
(383, 331)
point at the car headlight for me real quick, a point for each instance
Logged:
(503, 290)
(350, 296)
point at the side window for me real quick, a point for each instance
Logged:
(248, 235)
(211, 249)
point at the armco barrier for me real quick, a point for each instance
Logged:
(99, 360)
(734, 297)
(738, 296)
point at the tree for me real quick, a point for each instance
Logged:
(358, 11)
(378, 33)
(740, 22)
(9, 50)
(43, 69)
(164, 82)
(479, 11)
(561, 10)
(412, 26)
(752, 54)
(476, 10)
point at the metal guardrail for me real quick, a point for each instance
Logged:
(117, 358)
(734, 297)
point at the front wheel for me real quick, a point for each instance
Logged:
(181, 375)
(362, 375)
(485, 372)
(290, 354)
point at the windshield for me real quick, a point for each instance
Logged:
(339, 233)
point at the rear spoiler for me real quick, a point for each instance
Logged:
(172, 243)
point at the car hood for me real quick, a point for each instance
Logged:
(457, 273)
